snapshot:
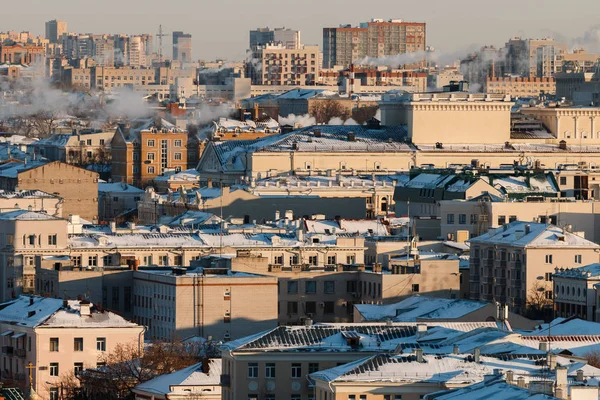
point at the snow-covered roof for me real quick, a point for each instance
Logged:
(361, 227)
(34, 311)
(446, 369)
(26, 194)
(188, 175)
(25, 215)
(118, 187)
(585, 272)
(190, 376)
(530, 234)
(419, 307)
(568, 327)
(12, 169)
(521, 184)
(333, 337)
(495, 390)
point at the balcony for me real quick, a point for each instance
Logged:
(488, 262)
(7, 350)
(501, 281)
(20, 353)
(225, 380)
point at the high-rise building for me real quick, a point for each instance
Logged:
(289, 38)
(344, 45)
(274, 64)
(182, 47)
(531, 58)
(54, 30)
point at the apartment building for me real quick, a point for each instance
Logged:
(344, 45)
(479, 214)
(277, 361)
(513, 263)
(275, 64)
(533, 58)
(288, 37)
(55, 29)
(147, 148)
(77, 187)
(87, 146)
(574, 291)
(210, 302)
(58, 337)
(521, 87)
(115, 200)
(182, 47)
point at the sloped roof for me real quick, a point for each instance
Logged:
(25, 215)
(419, 307)
(540, 235)
(190, 376)
(496, 390)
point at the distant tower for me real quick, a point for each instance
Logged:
(54, 30)
(182, 47)
(160, 37)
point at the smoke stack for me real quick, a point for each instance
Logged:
(419, 353)
(476, 354)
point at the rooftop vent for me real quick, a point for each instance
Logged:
(351, 137)
(317, 132)
(562, 145)
(439, 145)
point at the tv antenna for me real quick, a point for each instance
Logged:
(160, 36)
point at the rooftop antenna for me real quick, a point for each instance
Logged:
(160, 36)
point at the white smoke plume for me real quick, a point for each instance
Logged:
(589, 41)
(127, 104)
(339, 121)
(206, 113)
(300, 120)
(398, 59)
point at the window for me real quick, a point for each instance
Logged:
(548, 258)
(101, 142)
(311, 307)
(53, 369)
(53, 393)
(450, 219)
(294, 260)
(78, 344)
(100, 364)
(52, 240)
(350, 259)
(292, 307)
(270, 370)
(563, 180)
(101, 344)
(93, 261)
(329, 287)
(252, 370)
(292, 287)
(548, 276)
(177, 156)
(178, 143)
(312, 260)
(77, 367)
(150, 170)
(462, 219)
(150, 156)
(310, 287)
(313, 367)
(577, 258)
(278, 260)
(501, 220)
(331, 260)
(54, 344)
(89, 142)
(150, 143)
(512, 218)
(115, 298)
(415, 287)
(296, 370)
(474, 218)
(329, 307)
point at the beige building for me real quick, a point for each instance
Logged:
(478, 215)
(206, 303)
(58, 337)
(275, 64)
(580, 124)
(80, 147)
(34, 200)
(427, 114)
(520, 87)
(574, 291)
(77, 187)
(514, 263)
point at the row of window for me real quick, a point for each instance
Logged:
(269, 370)
(32, 240)
(152, 143)
(176, 156)
(78, 344)
(310, 287)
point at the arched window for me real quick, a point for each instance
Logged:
(384, 204)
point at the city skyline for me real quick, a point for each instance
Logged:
(450, 30)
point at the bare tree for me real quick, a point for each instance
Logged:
(44, 122)
(538, 301)
(68, 387)
(123, 368)
(593, 358)
(363, 114)
(324, 110)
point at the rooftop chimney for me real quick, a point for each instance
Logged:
(419, 354)
(579, 375)
(561, 376)
(31, 301)
(84, 308)
(455, 350)
(476, 354)
(205, 365)
(510, 376)
(551, 361)
(521, 382)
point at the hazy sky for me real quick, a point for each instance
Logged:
(220, 28)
